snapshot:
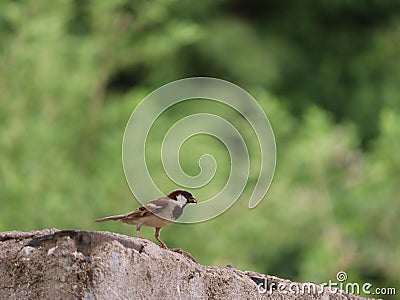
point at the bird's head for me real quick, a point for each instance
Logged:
(182, 196)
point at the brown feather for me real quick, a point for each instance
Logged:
(138, 213)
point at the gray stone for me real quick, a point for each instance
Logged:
(54, 264)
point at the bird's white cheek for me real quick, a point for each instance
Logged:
(181, 200)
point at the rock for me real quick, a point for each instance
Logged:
(69, 264)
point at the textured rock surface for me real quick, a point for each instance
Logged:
(53, 264)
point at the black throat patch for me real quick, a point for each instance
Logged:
(176, 213)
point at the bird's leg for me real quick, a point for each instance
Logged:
(157, 236)
(138, 230)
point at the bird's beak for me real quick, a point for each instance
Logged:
(192, 200)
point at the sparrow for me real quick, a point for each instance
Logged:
(157, 213)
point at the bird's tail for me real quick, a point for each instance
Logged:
(111, 218)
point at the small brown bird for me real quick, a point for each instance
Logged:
(157, 213)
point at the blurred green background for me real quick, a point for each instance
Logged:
(325, 72)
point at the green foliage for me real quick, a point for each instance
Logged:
(326, 74)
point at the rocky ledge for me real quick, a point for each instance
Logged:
(71, 264)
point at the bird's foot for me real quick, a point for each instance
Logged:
(183, 252)
(163, 245)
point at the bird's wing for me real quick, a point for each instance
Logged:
(153, 207)
(157, 205)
